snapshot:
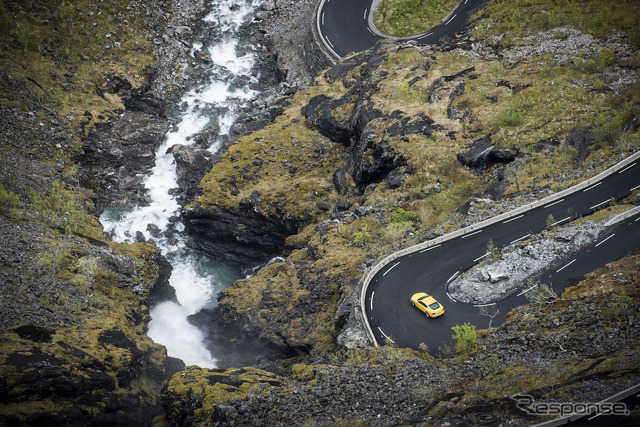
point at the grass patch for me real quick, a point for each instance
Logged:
(520, 17)
(403, 18)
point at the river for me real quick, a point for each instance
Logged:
(216, 101)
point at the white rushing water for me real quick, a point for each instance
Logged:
(196, 279)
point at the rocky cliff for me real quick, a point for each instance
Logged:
(389, 147)
(393, 146)
(83, 92)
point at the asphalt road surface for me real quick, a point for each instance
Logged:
(387, 300)
(344, 25)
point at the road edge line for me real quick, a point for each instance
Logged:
(368, 276)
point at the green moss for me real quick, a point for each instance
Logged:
(44, 41)
(215, 386)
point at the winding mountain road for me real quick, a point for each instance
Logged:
(387, 298)
(344, 25)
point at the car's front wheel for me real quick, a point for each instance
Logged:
(413, 303)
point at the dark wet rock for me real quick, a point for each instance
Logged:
(340, 70)
(115, 154)
(394, 180)
(548, 145)
(242, 236)
(581, 140)
(35, 333)
(114, 84)
(145, 103)
(232, 345)
(191, 165)
(340, 181)
(370, 157)
(483, 155)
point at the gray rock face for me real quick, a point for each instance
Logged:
(370, 157)
(491, 282)
(115, 155)
(243, 237)
(191, 165)
(581, 140)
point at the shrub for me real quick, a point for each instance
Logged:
(465, 337)
(402, 215)
(362, 236)
(511, 116)
(8, 200)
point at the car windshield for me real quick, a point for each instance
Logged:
(434, 306)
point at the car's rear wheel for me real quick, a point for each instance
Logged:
(427, 313)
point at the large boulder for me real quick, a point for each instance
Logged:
(191, 165)
(483, 154)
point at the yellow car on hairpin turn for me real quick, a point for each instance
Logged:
(427, 304)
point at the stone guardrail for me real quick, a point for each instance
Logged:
(472, 228)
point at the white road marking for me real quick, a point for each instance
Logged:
(637, 219)
(484, 305)
(450, 297)
(365, 14)
(527, 290)
(522, 238)
(566, 265)
(447, 23)
(628, 167)
(391, 268)
(554, 203)
(385, 335)
(635, 188)
(471, 234)
(454, 276)
(562, 220)
(465, 1)
(329, 41)
(322, 18)
(513, 219)
(371, 31)
(478, 259)
(372, 299)
(425, 36)
(605, 240)
(600, 204)
(429, 248)
(593, 186)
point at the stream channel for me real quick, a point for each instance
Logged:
(216, 101)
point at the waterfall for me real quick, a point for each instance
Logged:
(216, 100)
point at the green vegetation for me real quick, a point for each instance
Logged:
(45, 42)
(60, 208)
(492, 254)
(361, 237)
(600, 19)
(410, 17)
(402, 216)
(465, 338)
(550, 222)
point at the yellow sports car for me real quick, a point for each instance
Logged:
(427, 304)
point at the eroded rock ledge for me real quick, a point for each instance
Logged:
(241, 236)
